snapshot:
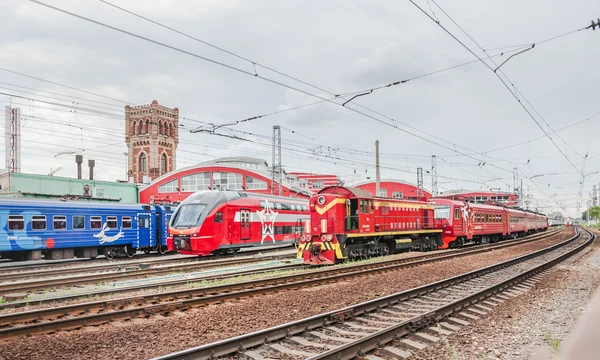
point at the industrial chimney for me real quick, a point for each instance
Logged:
(91, 164)
(79, 160)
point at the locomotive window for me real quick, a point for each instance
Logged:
(16, 222)
(95, 222)
(38, 222)
(304, 208)
(278, 206)
(59, 222)
(219, 217)
(78, 222)
(111, 222)
(457, 213)
(126, 222)
(263, 204)
(486, 218)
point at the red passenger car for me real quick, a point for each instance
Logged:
(217, 222)
(464, 222)
(349, 223)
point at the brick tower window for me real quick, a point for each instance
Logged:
(142, 162)
(163, 163)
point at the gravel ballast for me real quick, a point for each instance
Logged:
(157, 335)
(532, 325)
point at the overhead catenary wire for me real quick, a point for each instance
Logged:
(501, 80)
(253, 75)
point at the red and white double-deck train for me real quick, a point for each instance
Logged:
(348, 223)
(464, 222)
(220, 222)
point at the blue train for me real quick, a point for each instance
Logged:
(63, 230)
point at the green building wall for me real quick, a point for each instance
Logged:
(56, 187)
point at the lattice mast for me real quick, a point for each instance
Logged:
(277, 176)
(420, 190)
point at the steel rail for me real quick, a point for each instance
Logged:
(63, 317)
(358, 347)
(201, 278)
(28, 286)
(11, 273)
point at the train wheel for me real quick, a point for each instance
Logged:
(109, 253)
(131, 252)
(146, 251)
(162, 250)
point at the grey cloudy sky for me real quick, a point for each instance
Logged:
(339, 46)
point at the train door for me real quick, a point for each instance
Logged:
(245, 224)
(352, 214)
(144, 227)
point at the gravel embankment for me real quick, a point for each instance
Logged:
(533, 325)
(145, 338)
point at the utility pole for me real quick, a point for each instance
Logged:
(515, 180)
(377, 175)
(594, 196)
(277, 176)
(420, 190)
(521, 193)
(434, 182)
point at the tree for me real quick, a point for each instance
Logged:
(594, 213)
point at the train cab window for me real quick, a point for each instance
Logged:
(95, 222)
(456, 213)
(59, 222)
(304, 208)
(126, 222)
(38, 222)
(219, 217)
(16, 222)
(111, 222)
(278, 206)
(78, 222)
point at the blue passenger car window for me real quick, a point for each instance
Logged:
(111, 222)
(38, 222)
(16, 222)
(59, 222)
(78, 222)
(126, 222)
(95, 222)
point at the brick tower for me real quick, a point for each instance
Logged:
(152, 136)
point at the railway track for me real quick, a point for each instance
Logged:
(393, 325)
(104, 311)
(71, 266)
(118, 273)
(191, 279)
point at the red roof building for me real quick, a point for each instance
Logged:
(482, 197)
(236, 173)
(392, 188)
(313, 182)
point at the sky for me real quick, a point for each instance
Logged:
(72, 78)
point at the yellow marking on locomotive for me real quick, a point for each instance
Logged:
(402, 205)
(402, 241)
(385, 233)
(324, 246)
(324, 209)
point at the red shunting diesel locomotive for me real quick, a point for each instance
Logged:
(349, 223)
